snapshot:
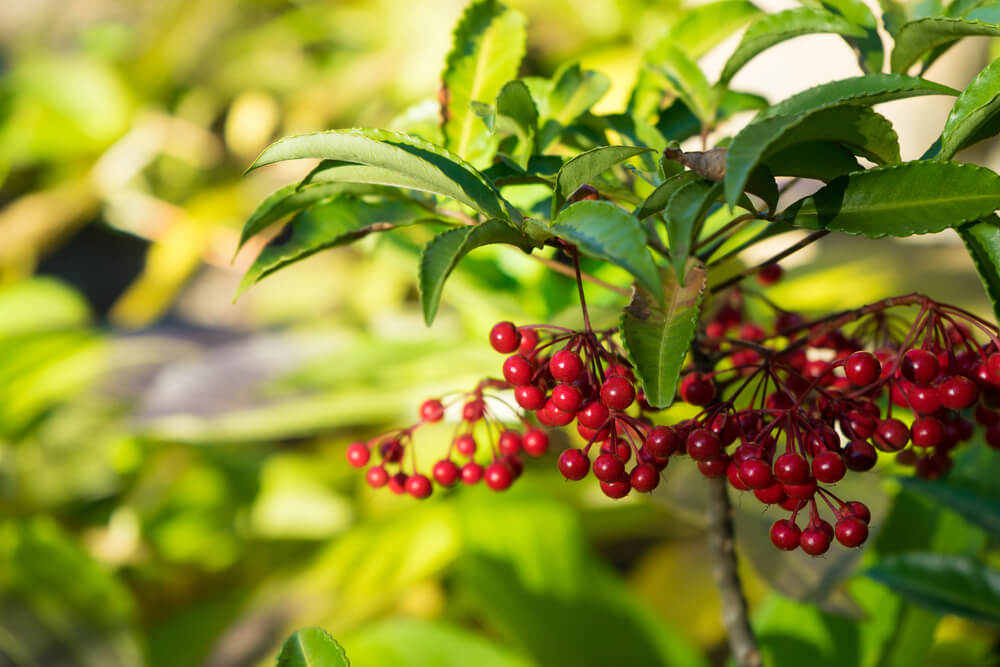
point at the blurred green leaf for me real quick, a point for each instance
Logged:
(40, 304)
(585, 167)
(865, 90)
(977, 503)
(414, 643)
(282, 202)
(917, 37)
(703, 27)
(312, 647)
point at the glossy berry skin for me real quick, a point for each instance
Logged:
(926, 432)
(391, 451)
(828, 468)
(958, 393)
(860, 456)
(419, 486)
(714, 467)
(814, 541)
(919, 366)
(498, 476)
(803, 491)
(358, 454)
(574, 464)
(377, 477)
(616, 490)
(566, 397)
(593, 415)
(862, 369)
(756, 474)
(535, 442)
(397, 483)
(644, 478)
(529, 340)
(702, 445)
(529, 397)
(733, 476)
(565, 366)
(771, 495)
(465, 444)
(472, 472)
(504, 337)
(662, 441)
(553, 416)
(925, 400)
(696, 389)
(891, 435)
(431, 410)
(851, 531)
(791, 469)
(855, 509)
(509, 442)
(517, 370)
(617, 393)
(473, 410)
(785, 535)
(608, 468)
(446, 472)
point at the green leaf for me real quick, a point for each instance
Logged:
(918, 197)
(326, 225)
(978, 104)
(660, 197)
(487, 48)
(762, 184)
(821, 160)
(518, 114)
(602, 230)
(677, 123)
(917, 37)
(982, 240)
(658, 337)
(282, 202)
(443, 253)
(399, 160)
(861, 90)
(585, 167)
(775, 28)
(946, 584)
(868, 48)
(685, 211)
(703, 27)
(541, 169)
(684, 78)
(403, 642)
(312, 647)
(977, 503)
(858, 128)
(574, 91)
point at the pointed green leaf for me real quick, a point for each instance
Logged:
(684, 78)
(821, 160)
(518, 115)
(977, 502)
(978, 104)
(685, 212)
(982, 240)
(762, 184)
(869, 47)
(602, 230)
(541, 169)
(415, 163)
(487, 48)
(703, 27)
(585, 167)
(943, 583)
(282, 202)
(443, 253)
(917, 197)
(858, 128)
(677, 123)
(861, 90)
(326, 225)
(894, 16)
(657, 337)
(312, 647)
(660, 197)
(915, 38)
(775, 28)
(574, 91)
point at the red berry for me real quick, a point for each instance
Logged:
(715, 467)
(593, 415)
(926, 432)
(919, 366)
(593, 434)
(925, 400)
(431, 410)
(358, 454)
(756, 474)
(662, 441)
(702, 445)
(608, 468)
(617, 393)
(472, 472)
(803, 491)
(733, 475)
(574, 464)
(851, 531)
(855, 509)
(419, 486)
(473, 410)
(771, 495)
(397, 483)
(958, 393)
(517, 370)
(696, 389)
(509, 442)
(391, 450)
(861, 424)
(791, 469)
(769, 274)
(993, 367)
(529, 397)
(551, 415)
(891, 436)
(828, 467)
(529, 339)
(862, 368)
(565, 366)
(513, 461)
(446, 472)
(860, 456)
(465, 444)
(616, 490)
(785, 535)
(814, 541)
(535, 442)
(566, 397)
(499, 476)
(377, 477)
(504, 337)
(644, 478)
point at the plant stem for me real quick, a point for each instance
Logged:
(579, 287)
(567, 271)
(815, 236)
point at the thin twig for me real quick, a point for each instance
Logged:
(568, 271)
(815, 236)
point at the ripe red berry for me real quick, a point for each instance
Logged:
(551, 415)
(574, 464)
(472, 472)
(608, 468)
(919, 366)
(791, 468)
(891, 436)
(465, 444)
(926, 432)
(391, 450)
(377, 477)
(715, 467)
(565, 366)
(855, 509)
(769, 274)
(593, 415)
(993, 367)
(504, 337)
(529, 339)
(696, 389)
(535, 442)
(803, 491)
(499, 476)
(419, 486)
(958, 393)
(431, 410)
(702, 445)
(509, 442)
(644, 478)
(814, 541)
(756, 474)
(566, 397)
(446, 472)
(473, 410)
(771, 495)
(397, 483)
(662, 441)
(529, 397)
(617, 393)
(733, 476)
(517, 370)
(860, 456)
(513, 461)
(925, 400)
(358, 454)
(617, 489)
(851, 531)
(862, 368)
(785, 535)
(828, 467)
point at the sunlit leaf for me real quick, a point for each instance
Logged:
(917, 37)
(585, 167)
(975, 110)
(312, 647)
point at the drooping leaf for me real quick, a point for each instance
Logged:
(660, 197)
(487, 48)
(917, 197)
(327, 225)
(979, 504)
(982, 240)
(978, 104)
(775, 28)
(604, 231)
(858, 128)
(917, 37)
(703, 27)
(684, 79)
(862, 90)
(282, 202)
(821, 160)
(586, 166)
(685, 212)
(657, 337)
(312, 647)
(947, 584)
(443, 253)
(418, 164)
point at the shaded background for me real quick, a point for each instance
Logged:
(173, 488)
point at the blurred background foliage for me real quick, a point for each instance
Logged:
(173, 489)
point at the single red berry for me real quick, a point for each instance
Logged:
(529, 339)
(814, 541)
(529, 397)
(419, 486)
(696, 389)
(891, 436)
(617, 393)
(958, 393)
(726, 428)
(803, 491)
(860, 456)
(621, 449)
(472, 472)
(644, 478)
(919, 366)
(790, 504)
(504, 337)
(593, 415)
(391, 450)
(926, 432)
(377, 477)
(593, 434)
(829, 467)
(473, 410)
(791, 468)
(771, 495)
(862, 368)
(851, 531)
(756, 474)
(733, 475)
(856, 509)
(397, 483)
(715, 467)
(431, 410)
(465, 444)
(662, 441)
(566, 397)
(617, 489)
(993, 367)
(574, 464)
(499, 476)
(608, 468)
(785, 535)
(861, 424)
(565, 366)
(446, 472)
(769, 274)
(517, 370)
(925, 400)
(551, 415)
(702, 445)
(513, 461)
(509, 442)
(535, 442)
(358, 454)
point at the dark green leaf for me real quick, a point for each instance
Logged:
(285, 201)
(946, 584)
(677, 123)
(821, 160)
(858, 128)
(541, 169)
(585, 167)
(660, 197)
(917, 37)
(977, 503)
(572, 93)
(762, 184)
(657, 337)
(446, 250)
(684, 79)
(486, 51)
(637, 132)
(867, 90)
(775, 28)
(312, 647)
(911, 198)
(401, 160)
(982, 239)
(602, 230)
(978, 104)
(685, 212)
(703, 27)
